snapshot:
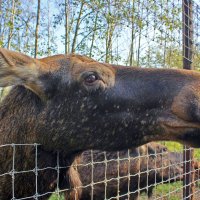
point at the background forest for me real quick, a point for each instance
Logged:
(145, 33)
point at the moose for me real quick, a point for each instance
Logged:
(148, 165)
(71, 103)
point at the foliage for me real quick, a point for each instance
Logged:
(135, 32)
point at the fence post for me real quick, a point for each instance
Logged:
(188, 154)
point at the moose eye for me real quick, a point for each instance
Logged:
(91, 78)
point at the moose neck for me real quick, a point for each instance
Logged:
(16, 122)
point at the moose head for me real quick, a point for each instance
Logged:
(72, 103)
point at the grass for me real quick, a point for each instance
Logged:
(174, 146)
(173, 191)
(56, 197)
(170, 191)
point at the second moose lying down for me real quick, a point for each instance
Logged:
(70, 103)
(148, 165)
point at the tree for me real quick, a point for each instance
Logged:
(37, 29)
(11, 24)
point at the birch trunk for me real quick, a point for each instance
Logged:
(132, 35)
(93, 35)
(12, 17)
(37, 29)
(77, 27)
(66, 27)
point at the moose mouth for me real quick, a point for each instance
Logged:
(190, 138)
(185, 132)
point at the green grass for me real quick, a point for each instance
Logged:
(172, 191)
(56, 197)
(174, 146)
(165, 189)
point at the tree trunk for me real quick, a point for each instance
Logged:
(109, 36)
(77, 27)
(66, 26)
(1, 17)
(109, 33)
(1, 23)
(107, 46)
(48, 31)
(26, 38)
(93, 35)
(132, 35)
(12, 17)
(37, 29)
(140, 34)
(18, 41)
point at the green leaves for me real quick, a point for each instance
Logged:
(143, 32)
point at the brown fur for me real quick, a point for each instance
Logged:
(52, 104)
(150, 161)
(75, 191)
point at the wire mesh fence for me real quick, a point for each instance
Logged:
(157, 34)
(151, 171)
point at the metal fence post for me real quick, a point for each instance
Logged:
(188, 154)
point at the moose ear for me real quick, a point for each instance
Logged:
(19, 69)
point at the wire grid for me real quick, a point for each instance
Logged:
(155, 167)
(196, 36)
(148, 169)
(191, 34)
(111, 175)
